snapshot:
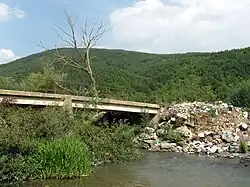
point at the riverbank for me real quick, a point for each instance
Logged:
(157, 169)
(50, 143)
(216, 129)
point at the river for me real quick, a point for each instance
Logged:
(161, 170)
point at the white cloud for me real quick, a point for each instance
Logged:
(182, 25)
(7, 55)
(7, 13)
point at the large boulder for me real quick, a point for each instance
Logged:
(213, 149)
(168, 146)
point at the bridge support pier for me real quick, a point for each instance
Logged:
(67, 105)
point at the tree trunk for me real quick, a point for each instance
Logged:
(91, 74)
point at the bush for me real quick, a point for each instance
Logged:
(17, 168)
(45, 81)
(113, 144)
(20, 126)
(172, 136)
(47, 143)
(243, 147)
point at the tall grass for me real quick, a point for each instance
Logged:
(63, 158)
(243, 147)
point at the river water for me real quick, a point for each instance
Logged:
(161, 170)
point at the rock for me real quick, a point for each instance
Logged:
(225, 148)
(150, 142)
(157, 118)
(234, 144)
(161, 124)
(184, 117)
(179, 149)
(210, 144)
(161, 132)
(150, 130)
(243, 126)
(234, 148)
(245, 115)
(201, 135)
(208, 133)
(154, 136)
(185, 148)
(190, 123)
(196, 142)
(185, 131)
(224, 105)
(144, 145)
(220, 150)
(172, 119)
(145, 136)
(155, 147)
(213, 149)
(227, 137)
(168, 146)
(220, 134)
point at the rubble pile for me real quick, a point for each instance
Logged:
(198, 128)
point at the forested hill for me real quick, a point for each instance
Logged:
(158, 78)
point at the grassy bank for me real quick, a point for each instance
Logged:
(47, 143)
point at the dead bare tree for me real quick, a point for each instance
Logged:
(82, 44)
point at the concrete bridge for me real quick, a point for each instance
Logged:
(71, 101)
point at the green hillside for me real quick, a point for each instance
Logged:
(156, 78)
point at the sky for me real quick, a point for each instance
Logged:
(156, 26)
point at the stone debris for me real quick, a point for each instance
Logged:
(198, 128)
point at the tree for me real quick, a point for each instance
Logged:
(88, 39)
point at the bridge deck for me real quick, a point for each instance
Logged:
(46, 99)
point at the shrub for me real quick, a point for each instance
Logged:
(172, 136)
(243, 147)
(113, 144)
(47, 143)
(213, 112)
(44, 81)
(19, 126)
(17, 168)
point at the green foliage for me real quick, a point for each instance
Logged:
(212, 112)
(113, 144)
(243, 147)
(7, 83)
(45, 143)
(172, 135)
(151, 77)
(19, 126)
(46, 81)
(63, 157)
(240, 96)
(17, 168)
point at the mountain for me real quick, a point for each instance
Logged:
(155, 77)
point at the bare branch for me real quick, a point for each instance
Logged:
(60, 86)
(89, 39)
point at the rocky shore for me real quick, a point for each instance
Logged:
(216, 129)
